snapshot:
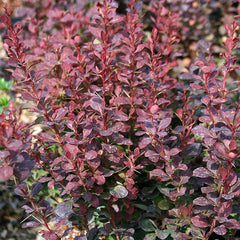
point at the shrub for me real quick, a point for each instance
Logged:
(128, 148)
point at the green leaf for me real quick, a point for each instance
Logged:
(5, 85)
(162, 234)
(4, 101)
(147, 226)
(150, 236)
(110, 238)
(164, 204)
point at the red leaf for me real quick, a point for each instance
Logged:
(223, 172)
(200, 221)
(184, 211)
(90, 155)
(157, 173)
(3, 19)
(221, 148)
(95, 31)
(82, 208)
(100, 179)
(228, 30)
(233, 145)
(72, 149)
(6, 172)
(226, 209)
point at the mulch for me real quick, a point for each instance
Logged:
(11, 216)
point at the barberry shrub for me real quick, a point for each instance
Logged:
(128, 148)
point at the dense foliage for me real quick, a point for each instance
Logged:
(127, 142)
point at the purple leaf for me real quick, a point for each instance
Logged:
(27, 209)
(94, 163)
(36, 188)
(30, 224)
(201, 201)
(174, 151)
(164, 123)
(95, 201)
(63, 209)
(144, 142)
(201, 131)
(232, 224)
(15, 145)
(71, 185)
(202, 172)
(220, 230)
(110, 148)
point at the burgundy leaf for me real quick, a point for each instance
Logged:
(71, 185)
(95, 201)
(3, 19)
(223, 172)
(200, 221)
